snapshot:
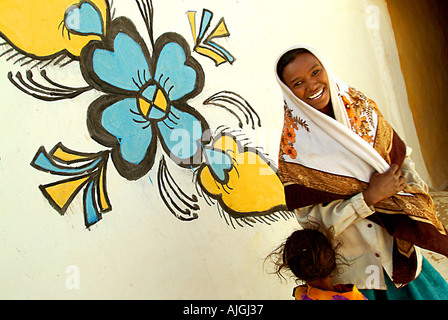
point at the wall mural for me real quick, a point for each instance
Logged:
(143, 110)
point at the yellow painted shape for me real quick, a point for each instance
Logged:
(211, 54)
(192, 19)
(65, 156)
(160, 100)
(102, 188)
(62, 192)
(35, 26)
(144, 106)
(220, 31)
(253, 186)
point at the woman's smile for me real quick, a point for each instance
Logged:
(319, 94)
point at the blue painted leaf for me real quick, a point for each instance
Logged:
(205, 23)
(91, 214)
(84, 19)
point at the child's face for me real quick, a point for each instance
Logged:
(308, 80)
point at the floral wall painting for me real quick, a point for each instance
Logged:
(141, 115)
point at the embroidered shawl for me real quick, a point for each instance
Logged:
(322, 159)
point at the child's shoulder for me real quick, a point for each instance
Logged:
(300, 292)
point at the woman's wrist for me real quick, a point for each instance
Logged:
(369, 199)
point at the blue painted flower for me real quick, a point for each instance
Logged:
(146, 99)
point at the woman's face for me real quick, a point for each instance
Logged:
(308, 80)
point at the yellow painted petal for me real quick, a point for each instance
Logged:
(62, 193)
(103, 199)
(35, 26)
(144, 106)
(211, 54)
(219, 31)
(67, 156)
(253, 185)
(192, 19)
(160, 100)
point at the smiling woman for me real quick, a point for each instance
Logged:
(348, 169)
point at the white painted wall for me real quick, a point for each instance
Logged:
(139, 250)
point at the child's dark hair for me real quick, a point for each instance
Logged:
(308, 254)
(287, 58)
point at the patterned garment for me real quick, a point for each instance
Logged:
(344, 292)
(322, 159)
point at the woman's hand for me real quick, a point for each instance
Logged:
(384, 185)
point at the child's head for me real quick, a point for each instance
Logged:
(308, 254)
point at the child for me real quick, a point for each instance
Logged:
(311, 257)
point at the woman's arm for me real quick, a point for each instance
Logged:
(385, 185)
(338, 214)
